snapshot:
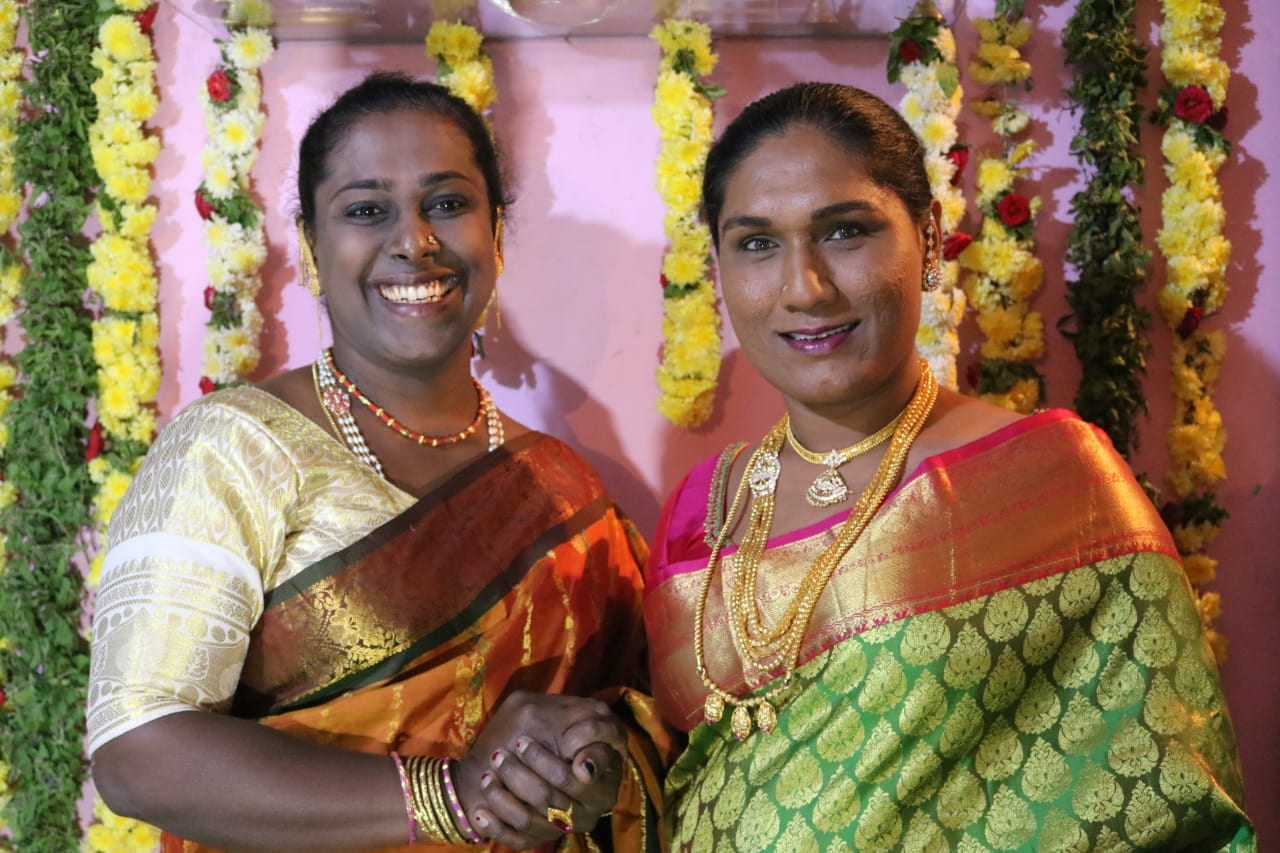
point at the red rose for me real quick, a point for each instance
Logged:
(219, 86)
(3, 698)
(662, 280)
(955, 243)
(146, 18)
(1218, 120)
(203, 207)
(206, 385)
(208, 298)
(1190, 321)
(959, 155)
(910, 51)
(93, 449)
(1014, 209)
(1193, 104)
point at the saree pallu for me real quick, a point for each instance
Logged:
(516, 574)
(1010, 658)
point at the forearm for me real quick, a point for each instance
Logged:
(238, 785)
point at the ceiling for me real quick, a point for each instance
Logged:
(408, 20)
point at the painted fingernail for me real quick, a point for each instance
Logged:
(497, 758)
(591, 767)
(522, 744)
(486, 779)
(480, 820)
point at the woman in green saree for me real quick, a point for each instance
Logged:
(322, 627)
(906, 619)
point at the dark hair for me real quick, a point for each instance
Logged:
(892, 153)
(383, 92)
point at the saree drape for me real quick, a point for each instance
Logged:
(515, 573)
(1010, 658)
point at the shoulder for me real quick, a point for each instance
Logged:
(230, 417)
(958, 420)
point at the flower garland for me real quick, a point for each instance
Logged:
(1006, 272)
(233, 232)
(462, 65)
(1105, 244)
(922, 54)
(1193, 112)
(121, 272)
(46, 675)
(682, 102)
(11, 62)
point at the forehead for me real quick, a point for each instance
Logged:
(418, 140)
(802, 164)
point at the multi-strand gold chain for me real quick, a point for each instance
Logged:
(758, 645)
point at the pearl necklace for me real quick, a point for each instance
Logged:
(757, 645)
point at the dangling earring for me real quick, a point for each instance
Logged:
(932, 276)
(310, 275)
(500, 266)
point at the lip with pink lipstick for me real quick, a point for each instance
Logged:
(820, 340)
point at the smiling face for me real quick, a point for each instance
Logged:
(821, 270)
(403, 241)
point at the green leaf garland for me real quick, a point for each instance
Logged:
(1106, 325)
(45, 673)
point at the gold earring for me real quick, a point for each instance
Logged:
(932, 275)
(310, 275)
(497, 243)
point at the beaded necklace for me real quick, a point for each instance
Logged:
(756, 644)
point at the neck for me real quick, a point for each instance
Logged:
(434, 399)
(826, 426)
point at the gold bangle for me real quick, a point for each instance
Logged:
(440, 805)
(421, 803)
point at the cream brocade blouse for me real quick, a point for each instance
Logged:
(239, 494)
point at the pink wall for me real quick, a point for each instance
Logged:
(580, 303)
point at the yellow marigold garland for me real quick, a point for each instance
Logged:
(233, 229)
(923, 56)
(691, 322)
(1197, 253)
(1005, 271)
(462, 64)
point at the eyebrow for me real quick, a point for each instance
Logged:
(821, 213)
(385, 186)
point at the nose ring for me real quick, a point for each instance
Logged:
(432, 242)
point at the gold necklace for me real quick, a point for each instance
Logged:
(757, 645)
(830, 488)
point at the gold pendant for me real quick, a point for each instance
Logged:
(741, 722)
(713, 708)
(828, 490)
(766, 717)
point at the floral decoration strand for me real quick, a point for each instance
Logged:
(1193, 111)
(233, 222)
(121, 273)
(11, 271)
(682, 109)
(922, 54)
(45, 671)
(1005, 273)
(1106, 324)
(462, 64)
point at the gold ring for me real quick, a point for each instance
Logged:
(561, 819)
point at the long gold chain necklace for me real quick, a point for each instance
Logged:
(830, 488)
(756, 644)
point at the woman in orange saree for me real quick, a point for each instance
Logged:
(906, 619)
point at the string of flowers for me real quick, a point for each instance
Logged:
(1106, 325)
(682, 109)
(922, 54)
(233, 222)
(462, 64)
(1193, 112)
(11, 62)
(1005, 271)
(121, 273)
(45, 672)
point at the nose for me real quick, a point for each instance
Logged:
(806, 278)
(414, 239)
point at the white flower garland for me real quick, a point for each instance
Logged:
(1197, 255)
(931, 105)
(233, 230)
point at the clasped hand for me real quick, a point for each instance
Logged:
(542, 752)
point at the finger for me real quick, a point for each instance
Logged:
(519, 819)
(596, 762)
(488, 825)
(551, 768)
(608, 730)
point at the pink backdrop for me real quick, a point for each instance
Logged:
(580, 303)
